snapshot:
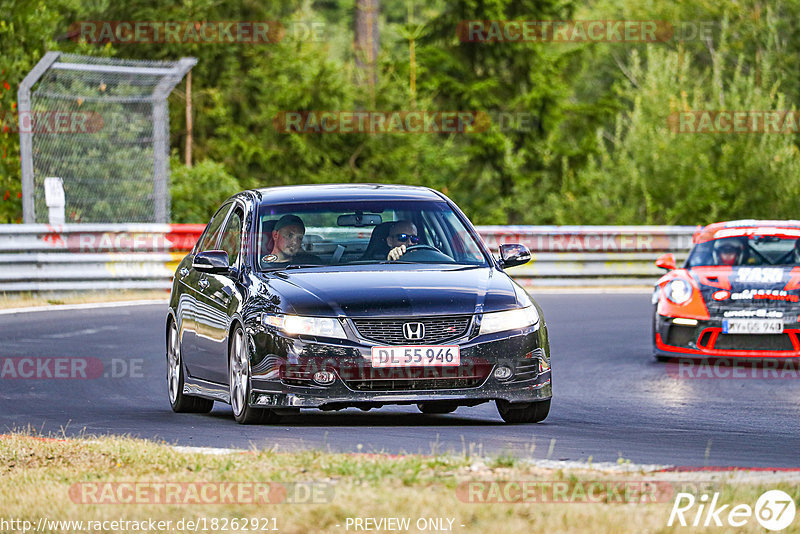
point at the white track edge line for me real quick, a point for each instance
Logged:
(83, 306)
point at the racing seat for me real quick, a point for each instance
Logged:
(377, 249)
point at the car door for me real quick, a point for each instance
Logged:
(190, 279)
(217, 300)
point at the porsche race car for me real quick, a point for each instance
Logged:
(737, 295)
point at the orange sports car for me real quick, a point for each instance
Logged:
(737, 295)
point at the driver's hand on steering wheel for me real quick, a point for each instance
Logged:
(396, 252)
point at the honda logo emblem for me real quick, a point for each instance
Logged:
(414, 330)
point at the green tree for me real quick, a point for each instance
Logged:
(198, 191)
(647, 173)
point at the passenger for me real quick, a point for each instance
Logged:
(287, 238)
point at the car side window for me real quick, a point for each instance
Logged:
(232, 237)
(212, 230)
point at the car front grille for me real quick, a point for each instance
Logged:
(390, 331)
(753, 342)
(469, 374)
(402, 384)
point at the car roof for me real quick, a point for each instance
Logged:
(343, 192)
(747, 227)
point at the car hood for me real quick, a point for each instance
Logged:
(743, 285)
(398, 290)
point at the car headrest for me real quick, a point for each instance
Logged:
(266, 236)
(377, 241)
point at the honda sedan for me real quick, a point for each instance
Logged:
(340, 296)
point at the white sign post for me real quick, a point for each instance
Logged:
(54, 198)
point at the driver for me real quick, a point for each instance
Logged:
(402, 234)
(728, 252)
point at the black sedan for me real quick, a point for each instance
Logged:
(337, 296)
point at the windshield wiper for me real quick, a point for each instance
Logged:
(466, 267)
(304, 265)
(287, 267)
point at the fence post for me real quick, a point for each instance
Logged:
(26, 137)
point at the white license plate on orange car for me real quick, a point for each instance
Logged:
(416, 356)
(752, 326)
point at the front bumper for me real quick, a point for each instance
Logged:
(283, 378)
(707, 340)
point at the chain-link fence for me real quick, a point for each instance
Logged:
(102, 126)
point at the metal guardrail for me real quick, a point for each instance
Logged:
(40, 257)
(591, 255)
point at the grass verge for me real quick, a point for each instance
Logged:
(86, 479)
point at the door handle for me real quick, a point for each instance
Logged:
(183, 272)
(203, 283)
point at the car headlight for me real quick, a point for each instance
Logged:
(678, 291)
(509, 320)
(308, 326)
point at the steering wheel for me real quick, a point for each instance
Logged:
(412, 248)
(427, 254)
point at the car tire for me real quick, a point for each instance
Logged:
(434, 408)
(526, 412)
(659, 357)
(239, 383)
(178, 400)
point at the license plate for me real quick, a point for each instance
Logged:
(752, 326)
(416, 356)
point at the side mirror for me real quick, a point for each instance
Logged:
(666, 261)
(513, 255)
(211, 261)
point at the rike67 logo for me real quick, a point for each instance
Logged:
(774, 510)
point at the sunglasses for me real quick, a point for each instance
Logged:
(414, 239)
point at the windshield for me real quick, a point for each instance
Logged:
(746, 250)
(364, 232)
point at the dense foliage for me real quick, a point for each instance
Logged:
(580, 131)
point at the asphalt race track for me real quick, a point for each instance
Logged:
(611, 398)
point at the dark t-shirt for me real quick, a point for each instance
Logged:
(379, 252)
